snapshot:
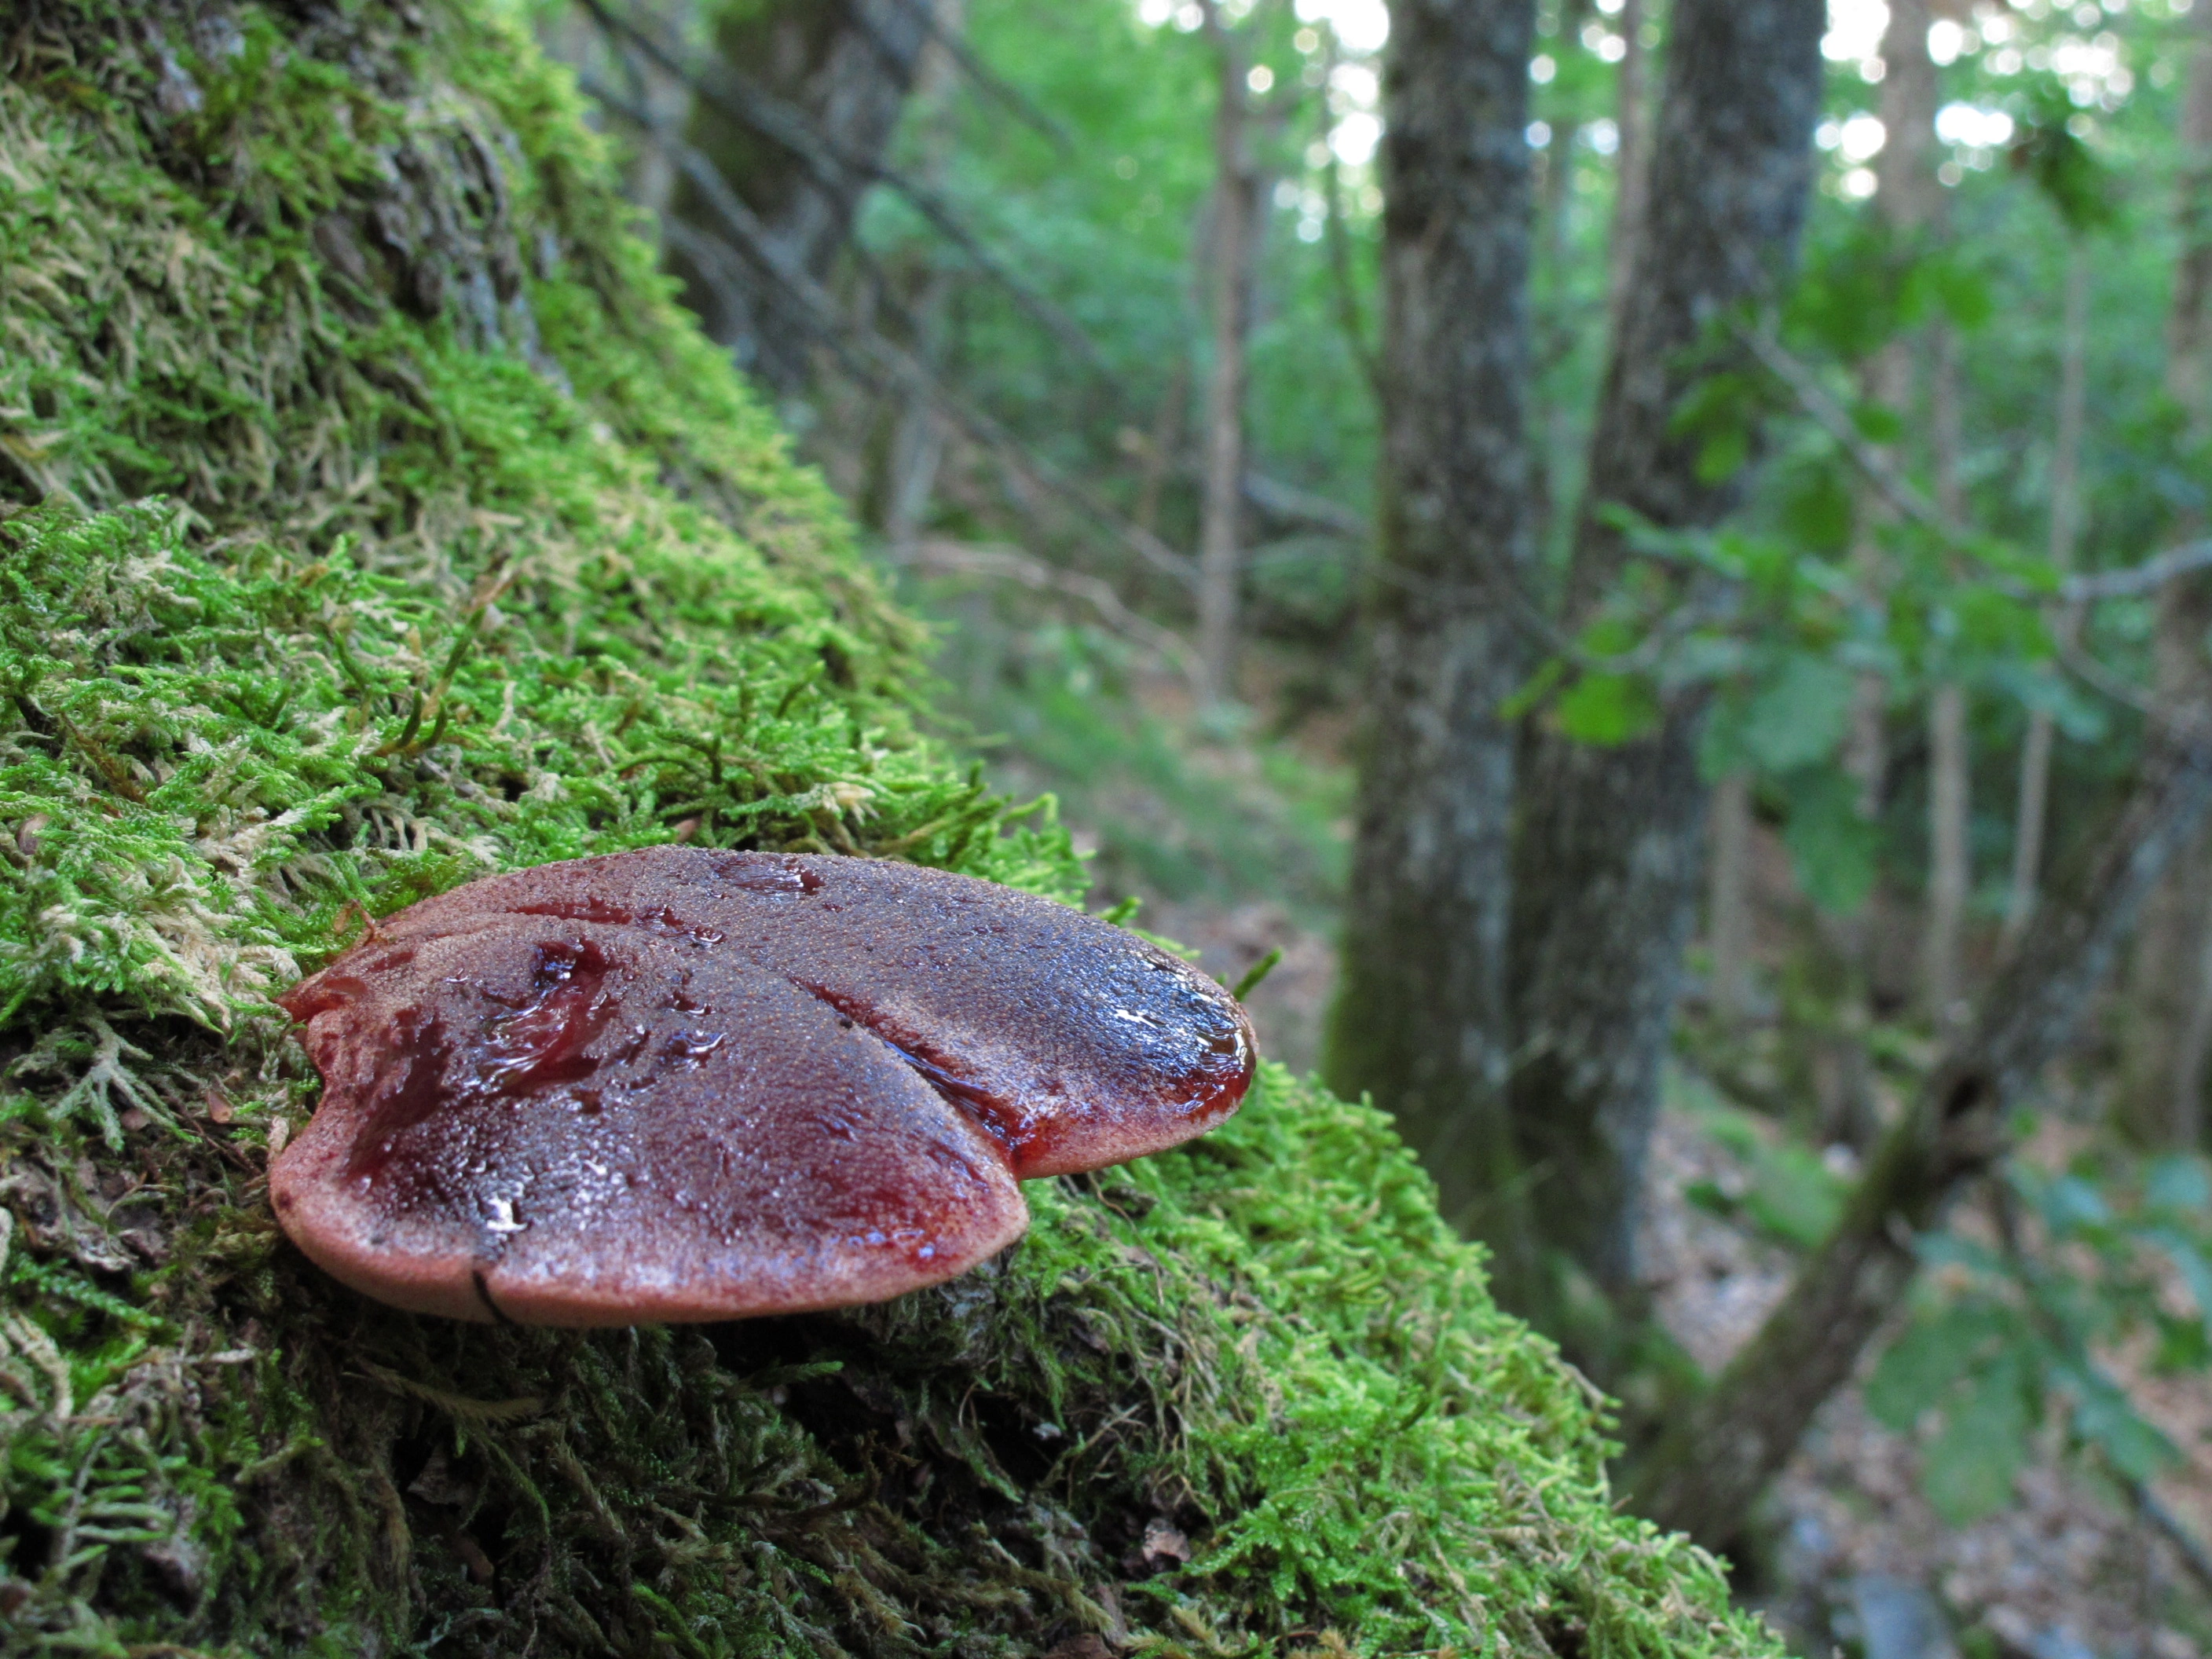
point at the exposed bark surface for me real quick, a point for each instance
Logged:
(1607, 856)
(2169, 1000)
(1719, 1451)
(846, 67)
(1421, 1021)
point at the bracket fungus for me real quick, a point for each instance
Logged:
(680, 1084)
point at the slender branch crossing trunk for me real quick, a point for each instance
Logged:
(1420, 1020)
(1608, 850)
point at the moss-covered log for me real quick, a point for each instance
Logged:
(369, 519)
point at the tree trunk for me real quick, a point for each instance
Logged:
(1950, 759)
(1727, 903)
(1230, 251)
(1722, 1449)
(2162, 1064)
(2029, 820)
(1420, 1020)
(1632, 160)
(844, 67)
(1907, 200)
(1606, 858)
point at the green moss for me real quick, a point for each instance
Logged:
(368, 519)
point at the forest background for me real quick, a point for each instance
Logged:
(1099, 315)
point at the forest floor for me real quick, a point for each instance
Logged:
(1859, 1558)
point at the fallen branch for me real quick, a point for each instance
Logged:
(1722, 1448)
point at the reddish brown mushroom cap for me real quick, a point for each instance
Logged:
(680, 1084)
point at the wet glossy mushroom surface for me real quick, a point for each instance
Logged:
(680, 1084)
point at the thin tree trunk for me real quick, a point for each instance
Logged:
(1235, 208)
(1950, 871)
(2162, 1051)
(1420, 1019)
(2031, 818)
(1160, 447)
(1950, 759)
(1632, 159)
(1907, 200)
(1727, 903)
(1606, 855)
(1720, 1450)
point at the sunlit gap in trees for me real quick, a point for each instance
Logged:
(1339, 41)
(2076, 44)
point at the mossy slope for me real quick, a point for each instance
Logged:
(372, 520)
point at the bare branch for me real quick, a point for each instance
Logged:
(736, 96)
(2148, 577)
(989, 81)
(950, 558)
(870, 358)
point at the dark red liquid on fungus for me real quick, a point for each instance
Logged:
(680, 1083)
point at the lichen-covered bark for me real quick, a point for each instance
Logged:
(1606, 852)
(373, 522)
(1421, 1020)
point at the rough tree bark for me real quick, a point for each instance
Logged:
(1421, 1019)
(2169, 990)
(1606, 860)
(1722, 1449)
(844, 65)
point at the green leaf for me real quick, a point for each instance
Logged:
(1968, 1470)
(1800, 716)
(1878, 423)
(1794, 1197)
(2104, 1416)
(1608, 710)
(1722, 456)
(1835, 852)
(1919, 1367)
(1817, 509)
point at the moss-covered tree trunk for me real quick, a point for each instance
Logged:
(370, 519)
